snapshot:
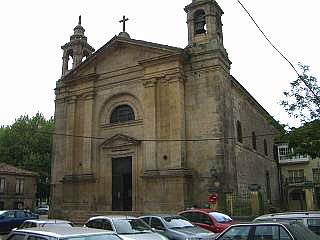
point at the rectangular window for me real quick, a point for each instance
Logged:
(296, 176)
(19, 186)
(2, 185)
(316, 175)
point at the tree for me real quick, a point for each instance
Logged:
(303, 99)
(27, 144)
(303, 102)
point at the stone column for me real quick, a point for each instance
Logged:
(150, 108)
(177, 120)
(87, 131)
(71, 107)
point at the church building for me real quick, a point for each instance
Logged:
(144, 127)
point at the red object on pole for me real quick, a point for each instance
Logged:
(213, 198)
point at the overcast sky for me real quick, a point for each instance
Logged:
(33, 31)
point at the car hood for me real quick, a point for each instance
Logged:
(193, 232)
(143, 236)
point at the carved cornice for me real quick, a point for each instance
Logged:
(151, 82)
(77, 178)
(179, 172)
(71, 99)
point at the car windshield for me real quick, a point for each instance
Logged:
(131, 226)
(177, 222)
(301, 232)
(94, 237)
(220, 217)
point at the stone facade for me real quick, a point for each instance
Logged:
(182, 140)
(18, 188)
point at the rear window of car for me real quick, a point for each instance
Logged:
(16, 237)
(313, 222)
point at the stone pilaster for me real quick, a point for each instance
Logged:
(87, 131)
(71, 108)
(150, 105)
(177, 120)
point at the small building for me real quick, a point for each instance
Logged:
(18, 187)
(300, 177)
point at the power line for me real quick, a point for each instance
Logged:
(268, 38)
(158, 140)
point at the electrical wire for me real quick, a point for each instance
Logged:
(268, 38)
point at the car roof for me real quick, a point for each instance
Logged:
(47, 221)
(59, 232)
(290, 214)
(206, 210)
(112, 217)
(162, 215)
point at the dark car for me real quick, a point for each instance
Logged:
(10, 219)
(268, 231)
(310, 219)
(62, 233)
(206, 218)
(176, 227)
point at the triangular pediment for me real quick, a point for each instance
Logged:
(120, 53)
(119, 140)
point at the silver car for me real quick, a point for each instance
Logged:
(44, 222)
(177, 227)
(126, 227)
(61, 233)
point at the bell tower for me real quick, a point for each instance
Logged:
(204, 22)
(77, 49)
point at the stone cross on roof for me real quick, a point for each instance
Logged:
(123, 21)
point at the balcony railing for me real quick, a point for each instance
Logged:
(285, 159)
(291, 180)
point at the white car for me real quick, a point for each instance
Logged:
(45, 222)
(126, 227)
(62, 233)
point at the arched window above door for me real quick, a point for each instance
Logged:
(122, 113)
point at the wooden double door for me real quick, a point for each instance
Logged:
(122, 184)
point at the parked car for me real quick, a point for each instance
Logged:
(268, 231)
(10, 219)
(43, 210)
(206, 218)
(176, 227)
(310, 219)
(126, 227)
(45, 222)
(61, 233)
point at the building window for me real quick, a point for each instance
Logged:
(2, 185)
(122, 113)
(284, 152)
(200, 22)
(316, 175)
(239, 132)
(265, 147)
(19, 186)
(254, 141)
(296, 176)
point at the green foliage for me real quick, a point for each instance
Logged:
(306, 139)
(303, 102)
(303, 99)
(27, 143)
